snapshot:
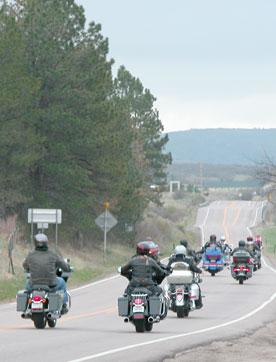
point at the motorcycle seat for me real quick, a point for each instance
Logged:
(41, 287)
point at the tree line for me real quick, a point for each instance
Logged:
(72, 136)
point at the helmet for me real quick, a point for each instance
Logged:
(184, 242)
(41, 239)
(249, 238)
(143, 248)
(222, 238)
(180, 249)
(213, 237)
(258, 238)
(241, 243)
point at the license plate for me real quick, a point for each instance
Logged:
(37, 306)
(138, 309)
(213, 260)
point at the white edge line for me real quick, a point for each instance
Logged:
(112, 351)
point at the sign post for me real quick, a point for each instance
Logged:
(105, 221)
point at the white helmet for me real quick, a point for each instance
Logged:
(222, 238)
(41, 239)
(180, 249)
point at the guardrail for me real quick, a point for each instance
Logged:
(204, 203)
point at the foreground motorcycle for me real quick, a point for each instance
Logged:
(182, 290)
(142, 308)
(212, 260)
(43, 305)
(241, 268)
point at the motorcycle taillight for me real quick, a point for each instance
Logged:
(235, 269)
(241, 267)
(234, 259)
(37, 298)
(248, 259)
(247, 269)
(138, 301)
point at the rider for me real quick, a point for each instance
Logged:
(212, 241)
(242, 246)
(255, 248)
(180, 254)
(224, 244)
(42, 264)
(142, 270)
(190, 251)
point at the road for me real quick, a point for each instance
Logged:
(93, 331)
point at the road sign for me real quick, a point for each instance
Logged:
(106, 221)
(50, 216)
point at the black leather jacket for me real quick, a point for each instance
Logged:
(243, 248)
(143, 270)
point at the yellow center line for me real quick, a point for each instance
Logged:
(65, 319)
(237, 217)
(224, 221)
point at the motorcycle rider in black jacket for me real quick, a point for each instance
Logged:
(143, 271)
(242, 246)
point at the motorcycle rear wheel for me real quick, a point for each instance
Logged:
(241, 280)
(39, 320)
(213, 273)
(180, 311)
(140, 325)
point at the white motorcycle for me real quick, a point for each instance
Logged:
(182, 289)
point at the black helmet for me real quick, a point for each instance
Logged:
(143, 248)
(184, 242)
(213, 237)
(242, 243)
(41, 239)
(249, 238)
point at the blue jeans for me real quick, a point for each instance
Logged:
(61, 285)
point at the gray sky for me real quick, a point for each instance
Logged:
(209, 63)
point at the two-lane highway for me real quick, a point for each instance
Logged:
(93, 331)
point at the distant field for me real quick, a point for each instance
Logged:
(269, 238)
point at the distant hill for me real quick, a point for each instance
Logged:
(222, 145)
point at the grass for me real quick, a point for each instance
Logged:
(268, 237)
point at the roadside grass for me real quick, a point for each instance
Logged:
(166, 225)
(268, 235)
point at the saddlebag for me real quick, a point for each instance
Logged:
(123, 305)
(55, 300)
(154, 306)
(21, 300)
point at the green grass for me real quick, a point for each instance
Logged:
(268, 237)
(10, 287)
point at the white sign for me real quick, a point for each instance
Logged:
(42, 225)
(50, 216)
(106, 220)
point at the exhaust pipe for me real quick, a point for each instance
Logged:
(25, 316)
(154, 320)
(126, 319)
(52, 316)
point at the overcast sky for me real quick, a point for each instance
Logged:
(209, 63)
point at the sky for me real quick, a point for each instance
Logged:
(209, 63)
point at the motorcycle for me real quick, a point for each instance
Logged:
(212, 260)
(241, 268)
(43, 305)
(142, 308)
(257, 256)
(182, 289)
(227, 255)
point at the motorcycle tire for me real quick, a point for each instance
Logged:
(213, 273)
(39, 320)
(140, 325)
(180, 311)
(52, 323)
(148, 326)
(241, 280)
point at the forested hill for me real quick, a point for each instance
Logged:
(222, 146)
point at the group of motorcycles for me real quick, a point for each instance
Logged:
(181, 292)
(179, 295)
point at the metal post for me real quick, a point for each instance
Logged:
(56, 228)
(32, 229)
(105, 217)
